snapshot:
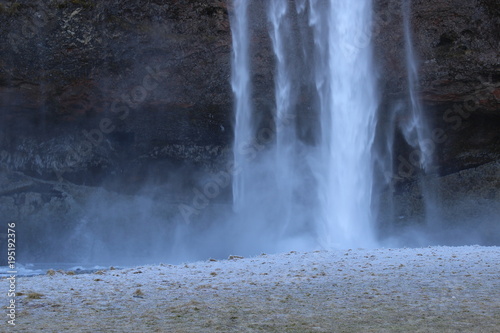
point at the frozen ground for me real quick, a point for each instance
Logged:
(434, 289)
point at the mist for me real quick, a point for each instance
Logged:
(312, 153)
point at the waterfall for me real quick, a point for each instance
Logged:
(321, 169)
(346, 88)
(286, 136)
(415, 129)
(241, 85)
(417, 132)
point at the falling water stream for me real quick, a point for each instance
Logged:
(311, 168)
(348, 102)
(344, 99)
(417, 131)
(240, 82)
(416, 128)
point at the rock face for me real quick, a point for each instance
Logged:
(89, 89)
(122, 92)
(457, 45)
(92, 88)
(458, 208)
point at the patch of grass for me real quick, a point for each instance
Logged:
(138, 293)
(34, 295)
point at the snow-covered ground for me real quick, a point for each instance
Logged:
(434, 289)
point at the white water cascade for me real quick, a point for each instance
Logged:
(416, 129)
(346, 87)
(240, 83)
(285, 174)
(328, 178)
(417, 132)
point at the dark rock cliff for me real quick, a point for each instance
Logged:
(89, 89)
(124, 90)
(124, 93)
(92, 88)
(457, 45)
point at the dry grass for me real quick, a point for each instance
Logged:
(34, 295)
(428, 293)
